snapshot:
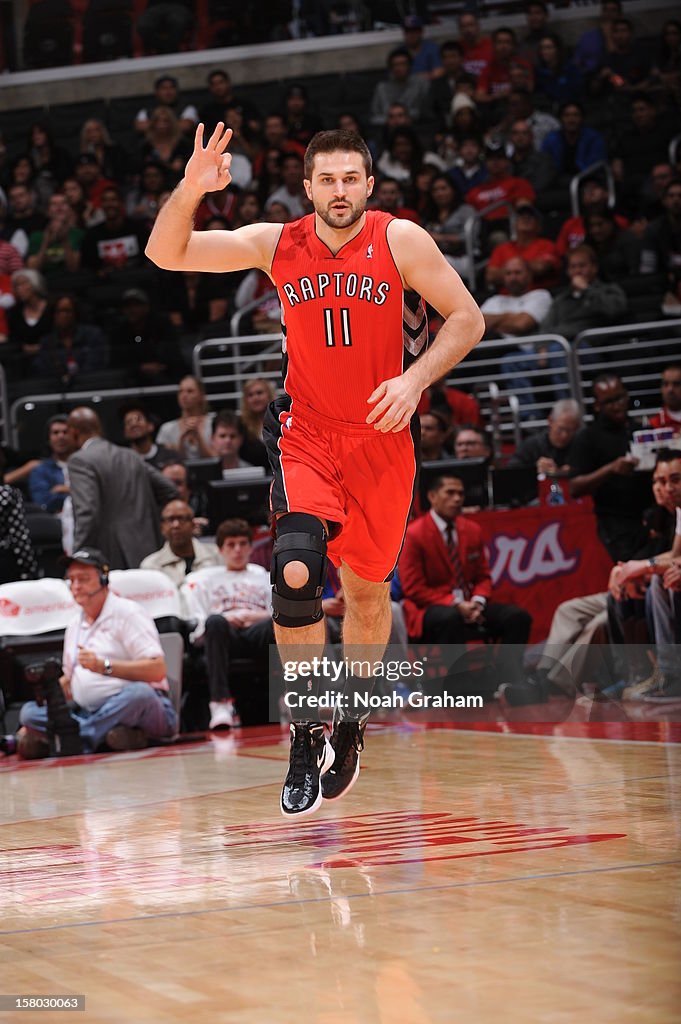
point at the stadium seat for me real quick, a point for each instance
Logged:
(48, 34)
(107, 30)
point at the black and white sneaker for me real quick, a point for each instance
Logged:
(311, 755)
(347, 740)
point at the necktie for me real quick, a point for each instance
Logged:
(453, 552)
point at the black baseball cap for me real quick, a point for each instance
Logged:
(86, 556)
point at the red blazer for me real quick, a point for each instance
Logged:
(427, 574)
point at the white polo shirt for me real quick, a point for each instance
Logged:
(122, 631)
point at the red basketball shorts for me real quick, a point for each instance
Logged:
(357, 478)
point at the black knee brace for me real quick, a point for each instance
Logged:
(299, 538)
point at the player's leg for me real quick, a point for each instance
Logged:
(366, 630)
(298, 575)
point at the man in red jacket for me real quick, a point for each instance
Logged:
(447, 584)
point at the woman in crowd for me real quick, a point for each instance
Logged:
(555, 77)
(85, 214)
(446, 219)
(22, 172)
(420, 196)
(256, 395)
(618, 250)
(402, 157)
(51, 161)
(143, 203)
(165, 143)
(95, 139)
(30, 318)
(269, 177)
(667, 67)
(191, 434)
(72, 347)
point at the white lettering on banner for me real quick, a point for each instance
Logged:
(523, 560)
(47, 609)
(149, 595)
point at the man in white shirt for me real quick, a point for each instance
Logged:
(113, 665)
(233, 609)
(519, 313)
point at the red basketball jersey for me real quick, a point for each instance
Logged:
(342, 317)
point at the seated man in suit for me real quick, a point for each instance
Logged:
(447, 584)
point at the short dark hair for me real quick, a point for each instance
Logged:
(623, 21)
(399, 51)
(570, 103)
(218, 73)
(438, 417)
(503, 31)
(439, 480)
(671, 366)
(336, 140)
(480, 431)
(227, 418)
(451, 45)
(134, 405)
(582, 250)
(667, 455)
(233, 528)
(165, 78)
(61, 417)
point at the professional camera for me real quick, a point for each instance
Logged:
(63, 731)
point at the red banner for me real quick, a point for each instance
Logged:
(543, 555)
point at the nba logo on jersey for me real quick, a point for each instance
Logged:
(370, 251)
(289, 422)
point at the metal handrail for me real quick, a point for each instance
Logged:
(471, 231)
(235, 322)
(644, 342)
(237, 365)
(586, 173)
(76, 397)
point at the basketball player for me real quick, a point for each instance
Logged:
(342, 452)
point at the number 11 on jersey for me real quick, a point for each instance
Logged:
(330, 327)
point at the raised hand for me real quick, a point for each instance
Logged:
(208, 167)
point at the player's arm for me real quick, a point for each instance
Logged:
(425, 270)
(174, 245)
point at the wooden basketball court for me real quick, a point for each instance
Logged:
(471, 876)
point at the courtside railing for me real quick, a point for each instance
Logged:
(28, 415)
(225, 364)
(635, 352)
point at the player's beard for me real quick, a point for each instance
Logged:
(341, 219)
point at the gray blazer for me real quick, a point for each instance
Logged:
(116, 499)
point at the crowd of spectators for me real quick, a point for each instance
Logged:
(496, 126)
(491, 126)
